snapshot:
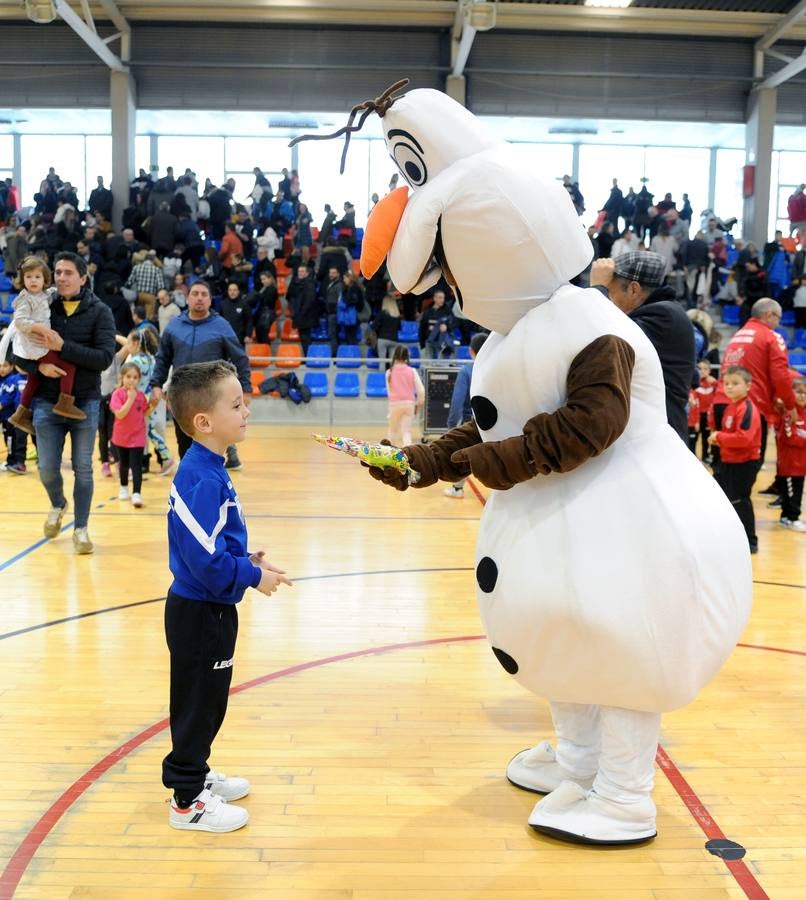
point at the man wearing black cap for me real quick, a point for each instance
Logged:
(635, 283)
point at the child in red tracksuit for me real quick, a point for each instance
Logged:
(693, 420)
(791, 440)
(705, 393)
(739, 442)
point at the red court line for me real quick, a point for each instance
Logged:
(19, 862)
(738, 868)
(773, 649)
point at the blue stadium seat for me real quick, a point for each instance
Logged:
(346, 385)
(372, 361)
(320, 332)
(5, 283)
(788, 317)
(318, 356)
(414, 356)
(800, 338)
(376, 384)
(408, 331)
(785, 334)
(348, 356)
(797, 359)
(317, 382)
(730, 315)
(463, 352)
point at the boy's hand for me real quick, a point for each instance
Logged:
(258, 558)
(271, 580)
(713, 438)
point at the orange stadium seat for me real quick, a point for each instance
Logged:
(254, 351)
(289, 333)
(289, 356)
(257, 377)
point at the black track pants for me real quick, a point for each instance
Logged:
(201, 640)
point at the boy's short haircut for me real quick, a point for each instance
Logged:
(743, 373)
(799, 382)
(195, 388)
(477, 341)
(140, 312)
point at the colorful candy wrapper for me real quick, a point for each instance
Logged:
(381, 455)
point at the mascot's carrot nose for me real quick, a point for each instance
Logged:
(379, 235)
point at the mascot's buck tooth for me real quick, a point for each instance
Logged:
(613, 575)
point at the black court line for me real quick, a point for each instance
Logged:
(108, 609)
(161, 515)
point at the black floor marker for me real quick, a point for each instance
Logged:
(725, 849)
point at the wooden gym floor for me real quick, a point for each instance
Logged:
(370, 716)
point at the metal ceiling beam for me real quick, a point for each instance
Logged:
(442, 14)
(122, 25)
(88, 35)
(785, 23)
(788, 71)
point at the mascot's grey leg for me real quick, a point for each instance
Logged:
(541, 770)
(619, 809)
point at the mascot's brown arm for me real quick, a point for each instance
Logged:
(433, 461)
(594, 416)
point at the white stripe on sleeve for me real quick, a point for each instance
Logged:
(187, 519)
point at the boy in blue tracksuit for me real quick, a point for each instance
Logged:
(212, 568)
(12, 385)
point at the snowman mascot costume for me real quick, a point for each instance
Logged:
(613, 575)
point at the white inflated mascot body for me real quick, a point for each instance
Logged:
(618, 589)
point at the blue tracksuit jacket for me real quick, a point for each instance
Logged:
(207, 543)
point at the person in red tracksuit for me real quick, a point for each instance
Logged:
(705, 394)
(739, 442)
(758, 348)
(791, 439)
(693, 420)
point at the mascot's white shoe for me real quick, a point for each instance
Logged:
(573, 814)
(537, 769)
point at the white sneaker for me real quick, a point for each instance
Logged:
(123, 493)
(82, 542)
(793, 524)
(226, 788)
(53, 523)
(208, 812)
(455, 493)
(137, 501)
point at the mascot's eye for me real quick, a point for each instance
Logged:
(410, 163)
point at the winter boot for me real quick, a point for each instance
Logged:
(66, 406)
(23, 419)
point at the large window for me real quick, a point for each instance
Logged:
(548, 160)
(599, 165)
(65, 152)
(791, 173)
(142, 153)
(728, 191)
(678, 171)
(6, 156)
(202, 155)
(321, 183)
(98, 162)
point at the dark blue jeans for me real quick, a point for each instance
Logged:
(51, 431)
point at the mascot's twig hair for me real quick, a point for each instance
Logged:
(379, 105)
